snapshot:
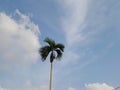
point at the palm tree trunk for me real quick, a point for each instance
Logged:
(50, 76)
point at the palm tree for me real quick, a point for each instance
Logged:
(55, 51)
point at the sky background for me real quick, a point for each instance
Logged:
(89, 29)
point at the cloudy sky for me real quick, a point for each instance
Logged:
(89, 29)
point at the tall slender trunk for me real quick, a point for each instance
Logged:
(50, 76)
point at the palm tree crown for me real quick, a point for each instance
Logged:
(55, 50)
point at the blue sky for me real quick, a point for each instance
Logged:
(89, 29)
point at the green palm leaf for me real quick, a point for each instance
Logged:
(50, 42)
(44, 51)
(59, 54)
(60, 46)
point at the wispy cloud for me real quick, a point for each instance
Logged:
(85, 22)
(3, 88)
(71, 88)
(98, 86)
(30, 86)
(74, 12)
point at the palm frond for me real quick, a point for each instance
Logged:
(44, 51)
(60, 46)
(50, 42)
(59, 54)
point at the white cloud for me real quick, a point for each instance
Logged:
(30, 86)
(98, 86)
(19, 42)
(3, 88)
(70, 88)
(43, 88)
